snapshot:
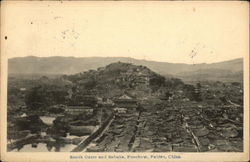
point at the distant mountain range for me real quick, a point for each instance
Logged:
(227, 71)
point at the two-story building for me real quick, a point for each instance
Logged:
(125, 103)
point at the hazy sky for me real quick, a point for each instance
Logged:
(191, 32)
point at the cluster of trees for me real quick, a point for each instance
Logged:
(45, 95)
(56, 110)
(158, 81)
(173, 82)
(32, 123)
(59, 128)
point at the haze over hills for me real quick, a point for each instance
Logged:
(231, 70)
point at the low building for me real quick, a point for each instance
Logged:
(22, 89)
(76, 110)
(120, 110)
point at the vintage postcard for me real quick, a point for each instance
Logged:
(124, 80)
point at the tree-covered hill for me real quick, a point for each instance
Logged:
(110, 81)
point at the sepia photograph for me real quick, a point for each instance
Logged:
(124, 77)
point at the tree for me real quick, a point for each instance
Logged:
(59, 128)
